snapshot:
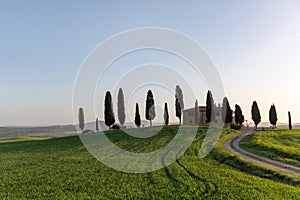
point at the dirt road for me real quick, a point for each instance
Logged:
(233, 145)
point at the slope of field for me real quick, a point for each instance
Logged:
(282, 145)
(63, 168)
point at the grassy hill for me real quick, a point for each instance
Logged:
(63, 168)
(279, 144)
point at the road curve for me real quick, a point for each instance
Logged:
(233, 145)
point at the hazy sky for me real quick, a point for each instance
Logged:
(255, 46)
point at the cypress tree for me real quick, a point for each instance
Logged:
(226, 111)
(97, 124)
(108, 110)
(273, 116)
(228, 118)
(255, 114)
(81, 119)
(239, 117)
(121, 107)
(210, 107)
(150, 107)
(178, 110)
(196, 113)
(290, 120)
(137, 119)
(166, 115)
(179, 104)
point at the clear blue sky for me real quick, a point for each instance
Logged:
(254, 44)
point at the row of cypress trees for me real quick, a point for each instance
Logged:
(150, 114)
(226, 113)
(255, 113)
(239, 117)
(150, 108)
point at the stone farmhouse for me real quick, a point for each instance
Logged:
(189, 116)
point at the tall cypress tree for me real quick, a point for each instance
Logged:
(238, 114)
(137, 119)
(121, 107)
(179, 104)
(196, 113)
(290, 120)
(273, 116)
(81, 119)
(150, 107)
(166, 115)
(97, 124)
(178, 110)
(228, 116)
(255, 114)
(226, 111)
(108, 110)
(210, 107)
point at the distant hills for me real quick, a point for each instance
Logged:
(44, 128)
(45, 131)
(279, 125)
(51, 131)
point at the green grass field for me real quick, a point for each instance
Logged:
(62, 168)
(282, 145)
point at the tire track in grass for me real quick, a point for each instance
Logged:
(142, 145)
(198, 141)
(150, 177)
(174, 181)
(210, 188)
(167, 172)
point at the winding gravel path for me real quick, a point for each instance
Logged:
(233, 145)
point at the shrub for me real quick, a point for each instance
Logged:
(235, 126)
(88, 131)
(115, 127)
